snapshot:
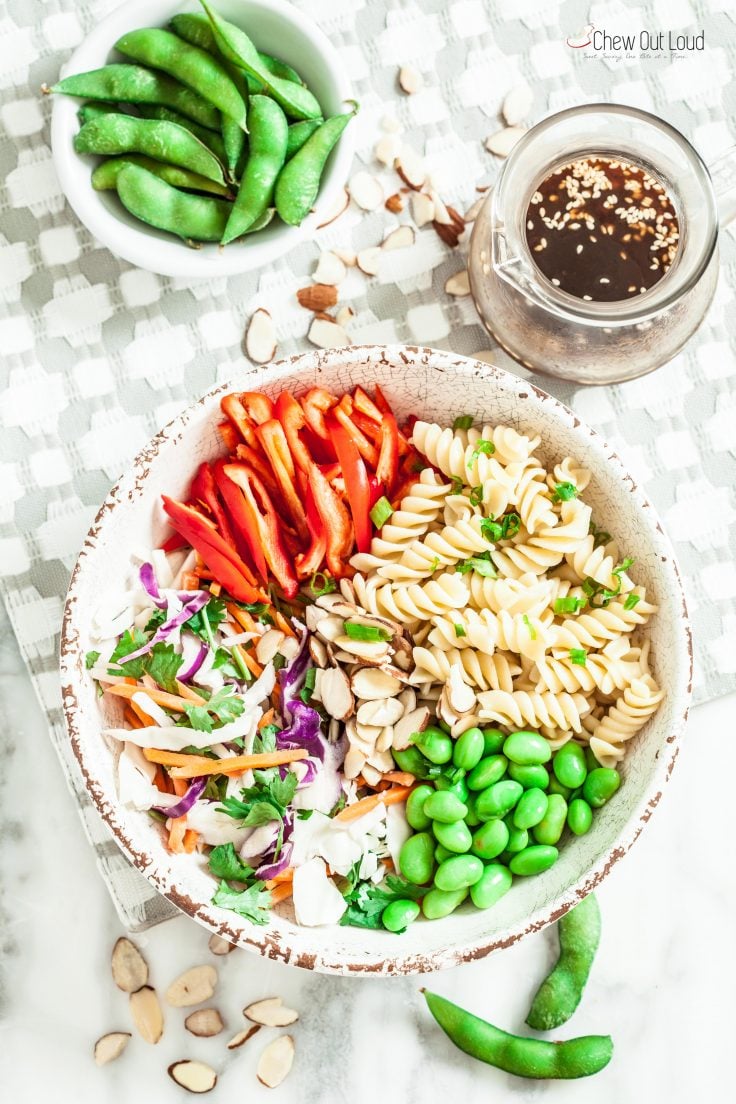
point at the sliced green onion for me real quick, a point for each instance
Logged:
(483, 448)
(578, 656)
(481, 563)
(372, 634)
(476, 495)
(568, 604)
(457, 486)
(532, 630)
(465, 421)
(381, 512)
(600, 536)
(459, 630)
(238, 661)
(631, 601)
(434, 565)
(320, 584)
(564, 492)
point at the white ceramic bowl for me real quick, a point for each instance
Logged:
(275, 27)
(436, 385)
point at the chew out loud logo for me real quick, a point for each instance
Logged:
(601, 41)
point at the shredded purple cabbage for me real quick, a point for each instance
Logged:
(196, 600)
(303, 732)
(150, 584)
(190, 798)
(197, 650)
(291, 677)
(271, 869)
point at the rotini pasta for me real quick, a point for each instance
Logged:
(414, 602)
(487, 672)
(624, 719)
(440, 549)
(561, 712)
(420, 507)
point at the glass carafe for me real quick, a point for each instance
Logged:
(549, 330)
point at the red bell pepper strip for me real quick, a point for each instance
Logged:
(257, 406)
(381, 401)
(173, 543)
(376, 491)
(366, 425)
(307, 563)
(232, 408)
(244, 522)
(203, 490)
(221, 559)
(276, 447)
(356, 481)
(366, 405)
(256, 460)
(228, 435)
(290, 414)
(388, 461)
(335, 522)
(368, 451)
(385, 407)
(267, 525)
(315, 405)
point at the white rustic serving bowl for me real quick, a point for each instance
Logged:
(435, 385)
(276, 27)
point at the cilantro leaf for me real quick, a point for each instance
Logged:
(156, 619)
(223, 706)
(265, 740)
(253, 903)
(564, 492)
(260, 812)
(223, 661)
(128, 642)
(216, 613)
(304, 814)
(90, 659)
(366, 901)
(226, 863)
(162, 665)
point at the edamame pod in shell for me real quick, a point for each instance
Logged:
(298, 134)
(298, 182)
(164, 141)
(210, 138)
(195, 27)
(194, 67)
(134, 84)
(191, 217)
(268, 129)
(558, 996)
(105, 175)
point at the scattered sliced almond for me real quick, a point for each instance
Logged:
(220, 946)
(347, 256)
(441, 213)
(399, 238)
(268, 645)
(129, 967)
(410, 80)
(145, 1011)
(271, 1012)
(111, 1046)
(517, 105)
(369, 260)
(474, 210)
(408, 699)
(380, 712)
(410, 723)
(276, 1061)
(337, 208)
(370, 684)
(204, 1022)
(385, 149)
(344, 316)
(317, 651)
(422, 208)
(330, 269)
(243, 1037)
(337, 698)
(192, 987)
(366, 191)
(260, 338)
(195, 1077)
(458, 284)
(503, 141)
(410, 167)
(450, 232)
(394, 203)
(317, 297)
(326, 334)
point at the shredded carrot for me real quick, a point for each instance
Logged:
(401, 778)
(177, 830)
(190, 581)
(143, 717)
(366, 804)
(216, 589)
(192, 766)
(189, 842)
(285, 876)
(281, 622)
(180, 786)
(168, 701)
(266, 719)
(132, 717)
(249, 660)
(243, 618)
(281, 893)
(161, 780)
(188, 694)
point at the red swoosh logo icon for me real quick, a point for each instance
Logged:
(576, 44)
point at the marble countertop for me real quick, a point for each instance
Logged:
(662, 984)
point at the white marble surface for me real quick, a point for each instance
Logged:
(662, 984)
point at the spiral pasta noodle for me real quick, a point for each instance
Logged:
(541, 709)
(420, 508)
(440, 549)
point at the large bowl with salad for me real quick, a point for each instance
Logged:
(376, 660)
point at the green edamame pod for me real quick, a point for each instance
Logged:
(397, 916)
(210, 138)
(468, 750)
(411, 760)
(579, 817)
(558, 996)
(133, 84)
(552, 825)
(439, 902)
(155, 138)
(191, 217)
(441, 853)
(490, 839)
(531, 808)
(455, 837)
(458, 872)
(494, 882)
(534, 860)
(105, 175)
(569, 765)
(280, 68)
(487, 772)
(416, 858)
(445, 807)
(600, 786)
(530, 775)
(493, 741)
(195, 27)
(415, 814)
(433, 743)
(498, 800)
(298, 182)
(458, 788)
(268, 129)
(534, 1058)
(298, 134)
(94, 108)
(527, 748)
(234, 44)
(194, 67)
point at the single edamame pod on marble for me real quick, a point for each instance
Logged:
(558, 996)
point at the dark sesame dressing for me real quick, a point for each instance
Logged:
(602, 229)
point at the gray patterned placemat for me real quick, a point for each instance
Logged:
(98, 355)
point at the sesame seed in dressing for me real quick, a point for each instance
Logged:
(580, 216)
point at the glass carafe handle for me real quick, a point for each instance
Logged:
(723, 175)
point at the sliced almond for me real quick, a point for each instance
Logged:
(268, 645)
(111, 1046)
(220, 946)
(395, 203)
(517, 105)
(271, 1012)
(260, 338)
(337, 208)
(330, 627)
(422, 208)
(403, 654)
(330, 270)
(327, 334)
(410, 723)
(317, 297)
(145, 1011)
(408, 699)
(441, 213)
(344, 316)
(347, 256)
(289, 647)
(410, 80)
(275, 1062)
(370, 684)
(381, 712)
(385, 149)
(386, 739)
(382, 760)
(460, 696)
(450, 232)
(337, 697)
(369, 260)
(129, 967)
(503, 141)
(399, 238)
(243, 1037)
(370, 774)
(368, 650)
(411, 168)
(313, 615)
(366, 191)
(458, 284)
(474, 210)
(195, 1077)
(192, 987)
(205, 1022)
(337, 603)
(317, 651)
